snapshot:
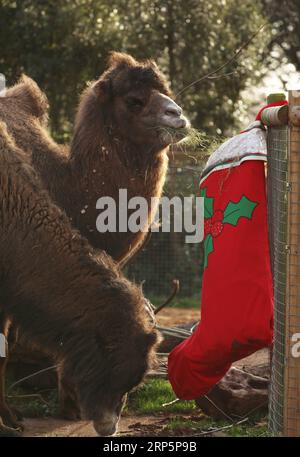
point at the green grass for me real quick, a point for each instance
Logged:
(182, 417)
(253, 427)
(178, 302)
(149, 398)
(259, 429)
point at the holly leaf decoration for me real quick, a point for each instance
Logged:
(233, 211)
(208, 248)
(208, 204)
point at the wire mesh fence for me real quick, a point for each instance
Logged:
(291, 426)
(277, 217)
(167, 256)
(284, 223)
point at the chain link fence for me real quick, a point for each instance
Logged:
(284, 223)
(167, 256)
(277, 206)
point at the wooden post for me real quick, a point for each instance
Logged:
(291, 412)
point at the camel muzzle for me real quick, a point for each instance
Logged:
(107, 427)
(171, 113)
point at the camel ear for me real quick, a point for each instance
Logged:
(103, 89)
(146, 341)
(152, 64)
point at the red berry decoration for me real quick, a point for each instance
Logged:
(207, 226)
(217, 216)
(216, 229)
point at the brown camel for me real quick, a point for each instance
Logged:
(125, 122)
(68, 300)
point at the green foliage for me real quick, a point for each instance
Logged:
(61, 44)
(64, 43)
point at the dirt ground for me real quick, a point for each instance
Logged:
(173, 316)
(51, 427)
(129, 425)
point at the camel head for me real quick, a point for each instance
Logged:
(136, 104)
(117, 354)
(127, 372)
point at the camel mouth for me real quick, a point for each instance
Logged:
(175, 123)
(108, 428)
(172, 135)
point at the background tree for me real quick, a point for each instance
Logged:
(64, 43)
(284, 16)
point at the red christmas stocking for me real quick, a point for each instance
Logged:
(237, 295)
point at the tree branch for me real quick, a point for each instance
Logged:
(228, 62)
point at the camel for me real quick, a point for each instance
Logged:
(125, 123)
(68, 300)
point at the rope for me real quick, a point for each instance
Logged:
(174, 331)
(176, 286)
(31, 376)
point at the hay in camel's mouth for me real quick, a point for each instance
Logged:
(194, 144)
(173, 135)
(194, 138)
(187, 137)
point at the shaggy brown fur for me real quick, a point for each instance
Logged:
(111, 147)
(71, 302)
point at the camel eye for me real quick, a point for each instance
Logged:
(134, 102)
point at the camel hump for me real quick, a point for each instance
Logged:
(32, 100)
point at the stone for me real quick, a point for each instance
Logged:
(237, 395)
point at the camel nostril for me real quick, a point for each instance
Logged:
(173, 111)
